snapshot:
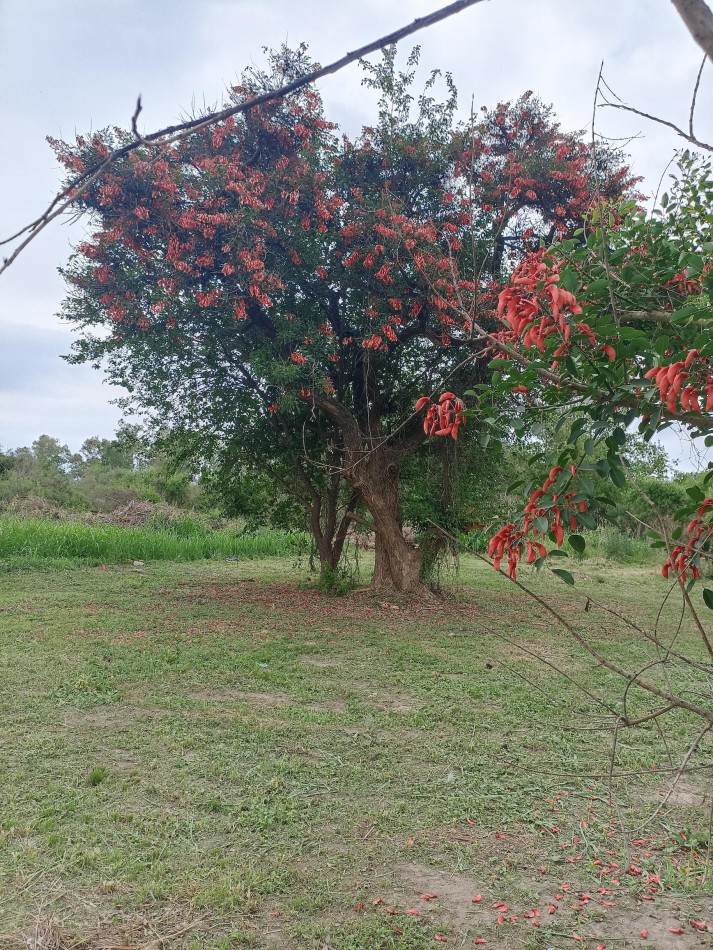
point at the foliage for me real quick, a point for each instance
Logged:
(611, 326)
(104, 475)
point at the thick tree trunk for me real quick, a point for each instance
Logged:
(371, 467)
(397, 562)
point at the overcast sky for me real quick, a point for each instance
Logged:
(69, 66)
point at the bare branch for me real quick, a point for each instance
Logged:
(695, 96)
(681, 769)
(654, 118)
(636, 679)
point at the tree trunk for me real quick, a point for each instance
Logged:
(329, 530)
(397, 562)
(373, 473)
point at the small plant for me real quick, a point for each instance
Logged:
(97, 775)
(338, 581)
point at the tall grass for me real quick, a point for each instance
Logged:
(37, 539)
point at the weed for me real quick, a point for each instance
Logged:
(97, 775)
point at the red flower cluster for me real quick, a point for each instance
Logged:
(671, 383)
(684, 557)
(534, 306)
(444, 417)
(512, 542)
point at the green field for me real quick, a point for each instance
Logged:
(216, 755)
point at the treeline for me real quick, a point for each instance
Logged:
(108, 474)
(104, 475)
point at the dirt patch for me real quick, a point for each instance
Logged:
(239, 696)
(317, 612)
(688, 792)
(454, 903)
(398, 704)
(320, 663)
(108, 717)
(330, 705)
(661, 923)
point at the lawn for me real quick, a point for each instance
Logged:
(214, 755)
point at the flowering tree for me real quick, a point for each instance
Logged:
(266, 283)
(610, 329)
(612, 326)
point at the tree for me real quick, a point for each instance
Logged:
(274, 286)
(611, 325)
(610, 328)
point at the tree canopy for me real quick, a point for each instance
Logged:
(269, 285)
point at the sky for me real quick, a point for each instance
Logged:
(76, 65)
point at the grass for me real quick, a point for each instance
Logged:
(33, 540)
(219, 746)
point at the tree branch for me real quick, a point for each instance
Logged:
(698, 17)
(653, 118)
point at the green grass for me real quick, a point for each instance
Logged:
(219, 744)
(32, 540)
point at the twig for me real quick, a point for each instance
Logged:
(653, 118)
(694, 97)
(668, 696)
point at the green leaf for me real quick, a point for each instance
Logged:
(585, 519)
(696, 493)
(708, 598)
(541, 524)
(601, 283)
(556, 552)
(618, 477)
(565, 575)
(569, 280)
(689, 310)
(577, 542)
